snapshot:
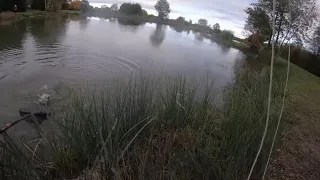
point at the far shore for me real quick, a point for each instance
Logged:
(222, 37)
(16, 16)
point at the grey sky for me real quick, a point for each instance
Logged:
(228, 13)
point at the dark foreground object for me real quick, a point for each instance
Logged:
(32, 114)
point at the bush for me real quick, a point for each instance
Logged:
(38, 4)
(76, 5)
(227, 35)
(303, 58)
(65, 6)
(131, 9)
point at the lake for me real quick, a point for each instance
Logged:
(60, 52)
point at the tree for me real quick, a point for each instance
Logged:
(114, 7)
(65, 5)
(53, 5)
(190, 21)
(202, 22)
(227, 35)
(85, 6)
(258, 20)
(76, 5)
(38, 4)
(131, 9)
(315, 45)
(9, 5)
(303, 16)
(181, 20)
(216, 27)
(163, 9)
(144, 13)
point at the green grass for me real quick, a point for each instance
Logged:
(147, 128)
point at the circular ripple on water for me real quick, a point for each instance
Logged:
(97, 64)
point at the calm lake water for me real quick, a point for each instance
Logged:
(73, 52)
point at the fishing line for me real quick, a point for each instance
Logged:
(283, 99)
(269, 94)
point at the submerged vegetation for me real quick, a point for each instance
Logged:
(147, 128)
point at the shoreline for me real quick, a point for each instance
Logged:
(11, 17)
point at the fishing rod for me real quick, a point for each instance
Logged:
(36, 116)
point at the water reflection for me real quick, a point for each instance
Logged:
(84, 23)
(178, 29)
(130, 25)
(112, 19)
(198, 36)
(158, 36)
(224, 48)
(46, 51)
(130, 21)
(12, 35)
(48, 31)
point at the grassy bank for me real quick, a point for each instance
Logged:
(10, 16)
(296, 156)
(147, 128)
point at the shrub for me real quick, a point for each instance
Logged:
(65, 6)
(76, 5)
(38, 4)
(227, 35)
(131, 9)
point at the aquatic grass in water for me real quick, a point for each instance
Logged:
(168, 128)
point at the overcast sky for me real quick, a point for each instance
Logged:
(228, 13)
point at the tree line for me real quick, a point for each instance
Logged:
(134, 14)
(42, 5)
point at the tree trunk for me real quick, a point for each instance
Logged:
(270, 39)
(279, 27)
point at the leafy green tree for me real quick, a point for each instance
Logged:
(85, 7)
(38, 4)
(303, 16)
(216, 27)
(181, 20)
(258, 20)
(163, 9)
(144, 13)
(227, 35)
(203, 22)
(114, 7)
(131, 9)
